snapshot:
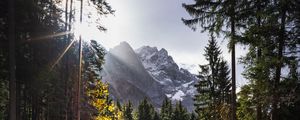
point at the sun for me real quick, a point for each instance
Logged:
(87, 31)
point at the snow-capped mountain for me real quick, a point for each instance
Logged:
(147, 72)
(178, 83)
(191, 68)
(128, 78)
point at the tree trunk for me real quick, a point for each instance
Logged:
(278, 66)
(79, 69)
(69, 73)
(258, 112)
(258, 95)
(66, 76)
(233, 94)
(12, 61)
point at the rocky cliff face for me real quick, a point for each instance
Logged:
(147, 72)
(128, 78)
(178, 83)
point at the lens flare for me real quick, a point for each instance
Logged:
(85, 30)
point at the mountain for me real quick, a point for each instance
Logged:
(128, 78)
(146, 72)
(191, 68)
(178, 83)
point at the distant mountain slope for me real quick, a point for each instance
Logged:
(147, 72)
(128, 78)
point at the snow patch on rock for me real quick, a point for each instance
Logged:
(178, 96)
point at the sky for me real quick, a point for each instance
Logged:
(158, 23)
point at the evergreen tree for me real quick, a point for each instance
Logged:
(42, 85)
(246, 109)
(223, 82)
(214, 15)
(96, 91)
(145, 111)
(128, 111)
(202, 100)
(156, 116)
(258, 38)
(213, 89)
(285, 10)
(193, 116)
(180, 113)
(166, 110)
(268, 52)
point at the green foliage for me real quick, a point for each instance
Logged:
(193, 116)
(145, 111)
(46, 71)
(213, 89)
(246, 109)
(269, 52)
(128, 111)
(180, 113)
(97, 93)
(166, 110)
(156, 116)
(270, 28)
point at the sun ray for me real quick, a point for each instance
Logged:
(61, 55)
(51, 36)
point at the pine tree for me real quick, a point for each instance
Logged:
(42, 87)
(128, 111)
(213, 89)
(212, 16)
(180, 113)
(145, 111)
(193, 116)
(166, 110)
(156, 116)
(223, 82)
(246, 104)
(97, 91)
(258, 71)
(202, 100)
(268, 53)
(285, 10)
(223, 91)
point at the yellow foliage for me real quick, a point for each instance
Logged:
(99, 98)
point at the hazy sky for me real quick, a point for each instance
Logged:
(158, 23)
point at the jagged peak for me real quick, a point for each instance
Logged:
(163, 51)
(123, 46)
(155, 56)
(151, 50)
(124, 43)
(146, 48)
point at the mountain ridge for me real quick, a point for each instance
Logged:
(147, 72)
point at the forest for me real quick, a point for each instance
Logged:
(49, 72)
